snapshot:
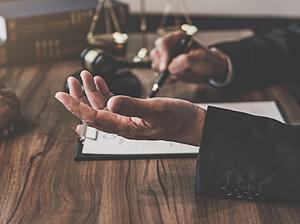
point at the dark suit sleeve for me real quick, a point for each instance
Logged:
(266, 57)
(248, 157)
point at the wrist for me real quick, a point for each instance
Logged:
(224, 72)
(196, 129)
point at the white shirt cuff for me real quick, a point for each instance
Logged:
(229, 76)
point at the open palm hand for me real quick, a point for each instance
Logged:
(152, 119)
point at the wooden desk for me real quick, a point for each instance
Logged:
(41, 183)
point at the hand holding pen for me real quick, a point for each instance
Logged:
(181, 47)
(197, 65)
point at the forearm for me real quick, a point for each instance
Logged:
(249, 157)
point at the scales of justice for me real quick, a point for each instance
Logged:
(115, 39)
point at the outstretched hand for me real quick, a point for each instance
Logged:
(152, 119)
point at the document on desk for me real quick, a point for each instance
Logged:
(104, 144)
(258, 108)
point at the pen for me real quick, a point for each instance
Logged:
(189, 31)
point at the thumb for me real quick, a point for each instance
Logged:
(133, 107)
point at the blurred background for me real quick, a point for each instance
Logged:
(107, 36)
(57, 29)
(223, 14)
(288, 8)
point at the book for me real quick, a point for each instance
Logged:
(22, 19)
(33, 22)
(99, 145)
(3, 54)
(40, 50)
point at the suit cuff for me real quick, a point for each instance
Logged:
(231, 156)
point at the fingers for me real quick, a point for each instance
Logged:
(164, 46)
(76, 90)
(179, 65)
(155, 57)
(96, 90)
(132, 107)
(185, 63)
(103, 120)
(173, 78)
(102, 88)
(76, 107)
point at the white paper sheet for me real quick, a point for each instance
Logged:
(98, 142)
(258, 108)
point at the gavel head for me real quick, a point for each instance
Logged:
(113, 69)
(100, 63)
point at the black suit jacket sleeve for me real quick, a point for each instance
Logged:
(249, 157)
(266, 57)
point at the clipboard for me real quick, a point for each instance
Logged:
(86, 135)
(81, 156)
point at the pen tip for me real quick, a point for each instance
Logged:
(155, 87)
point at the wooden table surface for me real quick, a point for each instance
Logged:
(41, 183)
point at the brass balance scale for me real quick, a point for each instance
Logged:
(106, 55)
(115, 40)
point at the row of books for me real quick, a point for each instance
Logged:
(41, 30)
(43, 50)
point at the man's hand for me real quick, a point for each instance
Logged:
(152, 119)
(198, 65)
(9, 112)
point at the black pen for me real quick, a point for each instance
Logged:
(189, 31)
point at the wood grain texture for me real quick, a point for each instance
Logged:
(41, 183)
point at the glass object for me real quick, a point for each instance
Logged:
(113, 39)
(173, 21)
